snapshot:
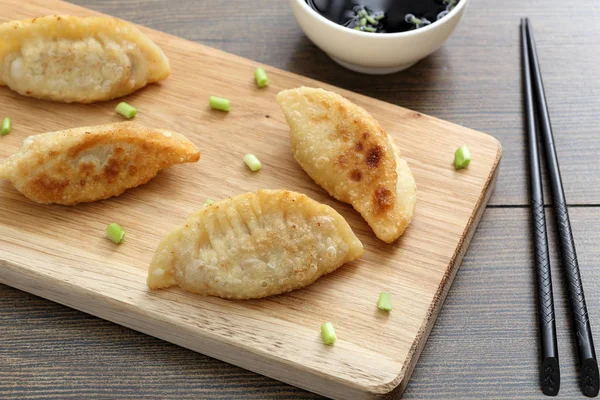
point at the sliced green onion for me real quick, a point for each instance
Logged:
(385, 301)
(369, 29)
(417, 22)
(6, 126)
(357, 28)
(115, 233)
(126, 110)
(362, 13)
(219, 103)
(370, 19)
(252, 162)
(208, 202)
(414, 20)
(462, 157)
(379, 16)
(261, 77)
(362, 22)
(328, 333)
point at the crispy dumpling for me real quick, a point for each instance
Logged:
(344, 150)
(78, 59)
(254, 245)
(93, 163)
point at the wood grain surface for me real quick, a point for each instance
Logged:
(484, 343)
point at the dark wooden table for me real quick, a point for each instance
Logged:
(484, 344)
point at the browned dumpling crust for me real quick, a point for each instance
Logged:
(78, 59)
(254, 245)
(343, 148)
(93, 163)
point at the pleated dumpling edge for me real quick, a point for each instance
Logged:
(78, 59)
(93, 163)
(254, 245)
(345, 150)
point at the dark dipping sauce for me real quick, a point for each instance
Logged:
(383, 16)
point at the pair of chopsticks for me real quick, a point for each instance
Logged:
(549, 369)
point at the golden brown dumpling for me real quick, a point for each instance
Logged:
(74, 59)
(343, 148)
(93, 163)
(254, 245)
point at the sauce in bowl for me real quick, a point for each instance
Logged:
(383, 16)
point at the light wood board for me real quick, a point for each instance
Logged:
(60, 253)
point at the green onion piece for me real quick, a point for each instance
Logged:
(362, 13)
(115, 233)
(328, 333)
(6, 126)
(385, 301)
(415, 21)
(219, 103)
(370, 19)
(252, 162)
(357, 28)
(362, 22)
(379, 16)
(462, 157)
(208, 202)
(369, 29)
(261, 78)
(126, 110)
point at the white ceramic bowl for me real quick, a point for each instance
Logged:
(375, 53)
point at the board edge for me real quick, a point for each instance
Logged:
(395, 388)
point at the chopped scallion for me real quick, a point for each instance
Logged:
(6, 126)
(369, 29)
(362, 21)
(411, 19)
(126, 110)
(219, 103)
(328, 333)
(208, 202)
(417, 22)
(462, 157)
(115, 233)
(252, 162)
(379, 16)
(261, 77)
(370, 19)
(385, 301)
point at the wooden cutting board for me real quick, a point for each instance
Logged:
(60, 253)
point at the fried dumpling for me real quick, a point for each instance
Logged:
(343, 149)
(93, 163)
(254, 245)
(74, 59)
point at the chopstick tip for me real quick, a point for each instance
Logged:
(589, 379)
(550, 376)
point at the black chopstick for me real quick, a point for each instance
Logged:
(588, 365)
(549, 366)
